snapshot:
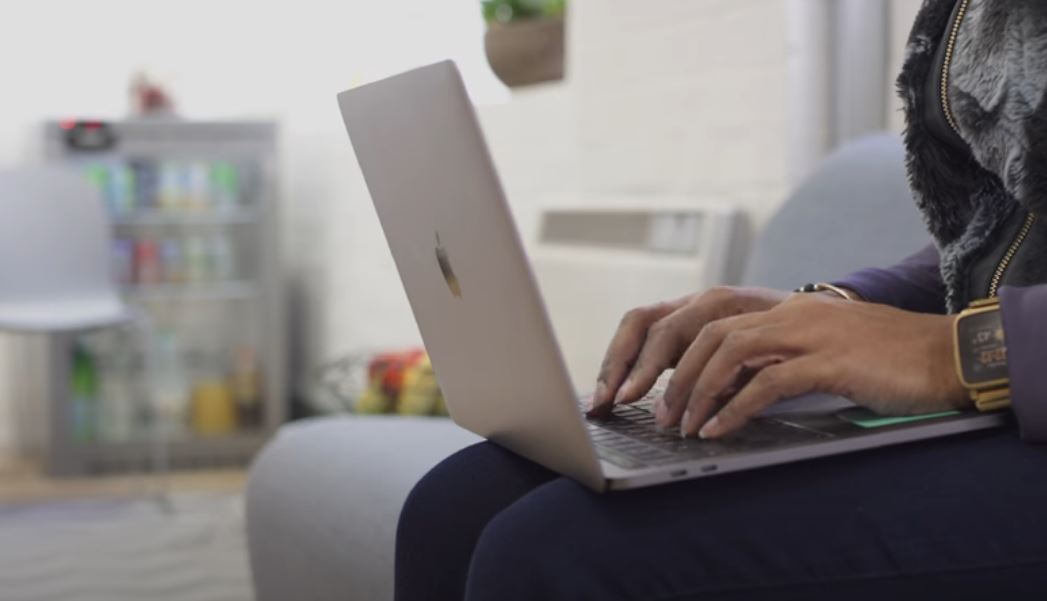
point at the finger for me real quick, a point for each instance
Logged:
(740, 351)
(661, 349)
(621, 353)
(772, 384)
(666, 342)
(693, 361)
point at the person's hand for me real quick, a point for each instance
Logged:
(651, 339)
(891, 361)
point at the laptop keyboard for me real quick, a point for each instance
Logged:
(630, 439)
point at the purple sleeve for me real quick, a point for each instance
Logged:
(1025, 331)
(915, 284)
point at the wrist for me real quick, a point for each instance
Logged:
(947, 376)
(831, 294)
(826, 288)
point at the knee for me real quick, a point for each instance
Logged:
(459, 495)
(433, 535)
(419, 508)
(529, 551)
(434, 500)
(447, 510)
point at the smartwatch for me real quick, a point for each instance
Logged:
(981, 354)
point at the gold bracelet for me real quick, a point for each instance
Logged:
(826, 287)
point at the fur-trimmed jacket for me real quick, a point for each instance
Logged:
(997, 92)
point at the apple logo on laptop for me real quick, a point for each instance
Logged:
(445, 267)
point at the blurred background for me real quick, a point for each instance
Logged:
(648, 140)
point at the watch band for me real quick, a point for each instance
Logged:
(991, 400)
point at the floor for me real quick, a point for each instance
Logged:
(108, 539)
(21, 481)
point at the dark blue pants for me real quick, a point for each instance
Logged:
(957, 518)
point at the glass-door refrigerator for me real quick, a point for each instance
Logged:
(195, 249)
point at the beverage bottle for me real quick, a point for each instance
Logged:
(124, 260)
(213, 412)
(246, 384)
(170, 386)
(116, 399)
(184, 186)
(84, 392)
(195, 259)
(147, 262)
(121, 189)
(222, 264)
(168, 187)
(198, 190)
(172, 260)
(225, 185)
(147, 184)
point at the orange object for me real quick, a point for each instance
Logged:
(389, 368)
(385, 380)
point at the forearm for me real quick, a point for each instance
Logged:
(915, 284)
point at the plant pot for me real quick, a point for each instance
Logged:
(526, 52)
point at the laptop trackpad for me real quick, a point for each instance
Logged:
(810, 403)
(814, 412)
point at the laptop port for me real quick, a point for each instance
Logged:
(708, 469)
(678, 473)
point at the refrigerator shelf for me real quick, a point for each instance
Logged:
(197, 451)
(187, 217)
(237, 290)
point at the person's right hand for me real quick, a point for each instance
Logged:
(652, 339)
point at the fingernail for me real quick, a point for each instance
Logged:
(711, 428)
(683, 424)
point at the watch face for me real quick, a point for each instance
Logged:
(983, 356)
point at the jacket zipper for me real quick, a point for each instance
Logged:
(950, 46)
(997, 276)
(1023, 233)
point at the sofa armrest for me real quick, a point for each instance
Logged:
(323, 499)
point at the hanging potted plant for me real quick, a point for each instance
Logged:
(525, 40)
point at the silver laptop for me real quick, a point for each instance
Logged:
(485, 326)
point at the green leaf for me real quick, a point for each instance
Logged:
(506, 11)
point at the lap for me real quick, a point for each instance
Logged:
(958, 512)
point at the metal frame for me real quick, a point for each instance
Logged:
(199, 141)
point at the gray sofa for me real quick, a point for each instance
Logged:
(323, 497)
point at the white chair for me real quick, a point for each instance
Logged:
(56, 273)
(55, 267)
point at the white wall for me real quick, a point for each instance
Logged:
(684, 97)
(902, 14)
(664, 96)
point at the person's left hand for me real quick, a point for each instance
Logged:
(891, 361)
